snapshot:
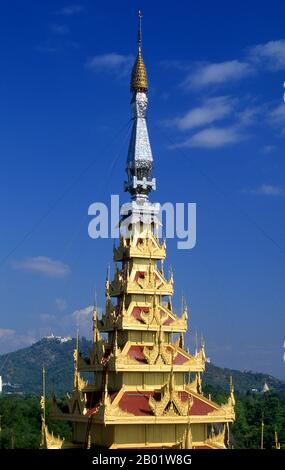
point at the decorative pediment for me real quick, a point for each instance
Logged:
(155, 316)
(153, 279)
(77, 403)
(168, 401)
(158, 354)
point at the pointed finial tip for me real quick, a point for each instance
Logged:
(139, 76)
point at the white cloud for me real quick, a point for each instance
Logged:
(68, 324)
(71, 10)
(218, 73)
(80, 319)
(43, 265)
(266, 190)
(213, 109)
(112, 62)
(236, 116)
(60, 29)
(82, 316)
(276, 118)
(61, 304)
(277, 115)
(10, 340)
(271, 54)
(268, 56)
(6, 333)
(250, 114)
(213, 137)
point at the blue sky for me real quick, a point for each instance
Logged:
(217, 128)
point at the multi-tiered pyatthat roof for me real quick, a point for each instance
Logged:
(144, 389)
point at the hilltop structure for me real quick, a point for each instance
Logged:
(145, 389)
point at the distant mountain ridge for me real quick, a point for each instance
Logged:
(22, 369)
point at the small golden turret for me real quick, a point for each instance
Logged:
(139, 76)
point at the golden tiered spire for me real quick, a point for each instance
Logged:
(139, 75)
(138, 395)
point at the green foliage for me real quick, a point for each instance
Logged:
(250, 410)
(23, 368)
(215, 393)
(21, 422)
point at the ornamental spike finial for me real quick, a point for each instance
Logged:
(115, 343)
(140, 29)
(76, 360)
(232, 392)
(139, 75)
(196, 350)
(77, 340)
(96, 333)
(199, 383)
(95, 300)
(171, 376)
(43, 397)
(105, 395)
(231, 383)
(108, 273)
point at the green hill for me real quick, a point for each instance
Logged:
(23, 370)
(245, 381)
